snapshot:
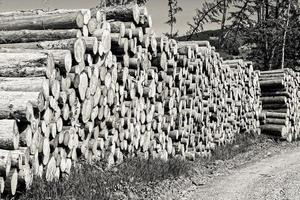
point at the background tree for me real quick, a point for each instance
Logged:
(122, 2)
(173, 10)
(264, 27)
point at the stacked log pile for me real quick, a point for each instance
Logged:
(99, 84)
(280, 100)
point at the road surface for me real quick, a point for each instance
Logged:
(273, 178)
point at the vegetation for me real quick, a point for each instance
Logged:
(120, 2)
(266, 30)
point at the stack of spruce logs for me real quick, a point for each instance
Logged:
(280, 101)
(100, 85)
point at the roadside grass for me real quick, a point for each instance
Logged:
(91, 182)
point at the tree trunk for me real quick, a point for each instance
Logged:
(224, 16)
(285, 34)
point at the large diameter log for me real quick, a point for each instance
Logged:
(274, 99)
(275, 93)
(18, 105)
(274, 130)
(41, 22)
(284, 122)
(9, 135)
(75, 45)
(62, 58)
(23, 36)
(275, 115)
(26, 64)
(125, 13)
(275, 84)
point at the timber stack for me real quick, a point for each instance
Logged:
(100, 85)
(280, 100)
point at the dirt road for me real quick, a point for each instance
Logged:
(273, 178)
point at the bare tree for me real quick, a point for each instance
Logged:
(173, 10)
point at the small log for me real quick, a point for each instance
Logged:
(11, 182)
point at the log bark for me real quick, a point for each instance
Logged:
(30, 84)
(274, 130)
(26, 64)
(127, 13)
(23, 36)
(54, 20)
(75, 45)
(62, 58)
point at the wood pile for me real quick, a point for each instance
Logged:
(280, 100)
(98, 84)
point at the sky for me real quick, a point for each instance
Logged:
(158, 10)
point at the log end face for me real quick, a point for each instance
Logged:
(68, 62)
(79, 50)
(80, 20)
(50, 65)
(16, 136)
(106, 41)
(136, 13)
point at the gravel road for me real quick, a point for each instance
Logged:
(273, 178)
